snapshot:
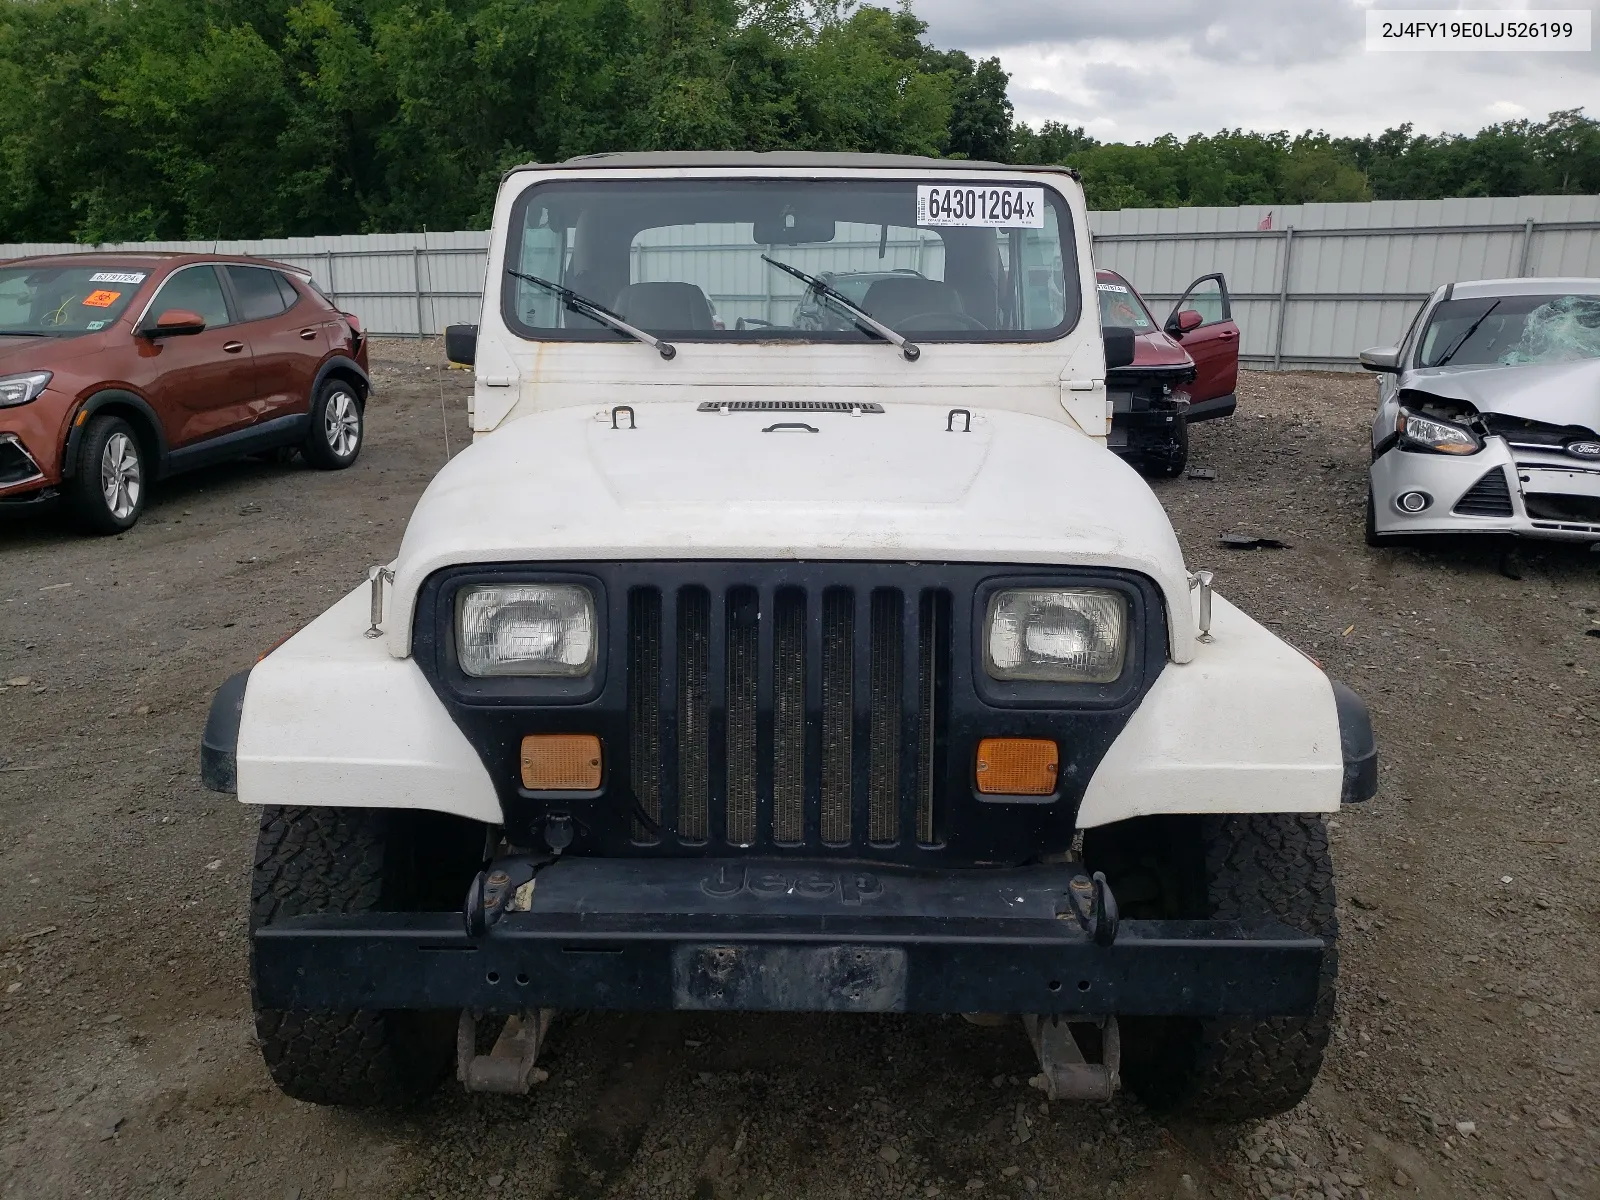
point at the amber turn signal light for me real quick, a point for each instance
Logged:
(561, 762)
(1017, 766)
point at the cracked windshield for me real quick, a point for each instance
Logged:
(944, 260)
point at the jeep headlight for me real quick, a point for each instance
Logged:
(1071, 635)
(526, 629)
(1443, 437)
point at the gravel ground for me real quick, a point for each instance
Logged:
(1466, 1060)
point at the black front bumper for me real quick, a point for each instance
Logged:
(799, 936)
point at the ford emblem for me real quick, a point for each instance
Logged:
(1584, 449)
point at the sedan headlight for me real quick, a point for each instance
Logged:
(1072, 635)
(527, 629)
(1445, 437)
(19, 389)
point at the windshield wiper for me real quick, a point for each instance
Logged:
(1462, 341)
(597, 312)
(857, 315)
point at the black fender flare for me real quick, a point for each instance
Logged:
(1358, 745)
(219, 744)
(341, 364)
(100, 400)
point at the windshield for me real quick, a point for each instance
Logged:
(1511, 330)
(683, 259)
(1121, 308)
(64, 301)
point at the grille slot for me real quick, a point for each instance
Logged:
(790, 406)
(694, 714)
(885, 677)
(838, 637)
(743, 648)
(644, 710)
(789, 718)
(782, 716)
(1489, 497)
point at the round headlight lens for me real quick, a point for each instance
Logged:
(526, 629)
(1071, 635)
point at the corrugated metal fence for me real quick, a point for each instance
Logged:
(1312, 284)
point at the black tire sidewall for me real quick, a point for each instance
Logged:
(316, 449)
(84, 494)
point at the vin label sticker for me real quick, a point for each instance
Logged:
(982, 207)
(117, 277)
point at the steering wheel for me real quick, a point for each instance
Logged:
(935, 322)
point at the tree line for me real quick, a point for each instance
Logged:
(125, 120)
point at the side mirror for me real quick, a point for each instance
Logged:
(1185, 321)
(1385, 359)
(1119, 347)
(461, 344)
(176, 322)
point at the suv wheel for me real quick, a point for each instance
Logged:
(337, 426)
(1167, 459)
(350, 860)
(1268, 865)
(107, 488)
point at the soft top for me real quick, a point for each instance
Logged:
(806, 159)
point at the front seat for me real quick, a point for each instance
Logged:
(664, 306)
(893, 300)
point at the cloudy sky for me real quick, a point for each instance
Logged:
(1129, 70)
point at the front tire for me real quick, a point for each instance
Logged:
(338, 425)
(107, 490)
(1167, 459)
(1269, 865)
(352, 860)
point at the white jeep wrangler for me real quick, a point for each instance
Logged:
(833, 664)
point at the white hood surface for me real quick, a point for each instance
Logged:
(565, 486)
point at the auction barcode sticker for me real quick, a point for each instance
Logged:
(984, 207)
(1478, 29)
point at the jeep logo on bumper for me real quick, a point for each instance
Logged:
(850, 887)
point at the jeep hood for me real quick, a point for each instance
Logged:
(1565, 393)
(908, 484)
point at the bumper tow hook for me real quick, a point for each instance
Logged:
(499, 890)
(1094, 906)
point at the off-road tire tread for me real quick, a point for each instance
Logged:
(315, 860)
(1261, 865)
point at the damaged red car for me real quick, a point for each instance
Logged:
(1183, 371)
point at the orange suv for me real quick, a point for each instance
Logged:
(119, 369)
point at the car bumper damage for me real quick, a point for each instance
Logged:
(1500, 489)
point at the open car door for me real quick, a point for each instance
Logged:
(1202, 322)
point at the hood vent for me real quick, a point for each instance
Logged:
(788, 406)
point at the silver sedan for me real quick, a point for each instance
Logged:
(1489, 414)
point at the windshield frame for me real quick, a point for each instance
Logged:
(1072, 293)
(1118, 280)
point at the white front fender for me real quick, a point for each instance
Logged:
(1250, 725)
(330, 718)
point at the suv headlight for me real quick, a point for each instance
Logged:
(1072, 635)
(1445, 437)
(19, 389)
(526, 629)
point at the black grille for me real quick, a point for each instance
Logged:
(796, 716)
(15, 464)
(1489, 497)
(790, 406)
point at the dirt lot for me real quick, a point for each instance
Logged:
(1467, 1059)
